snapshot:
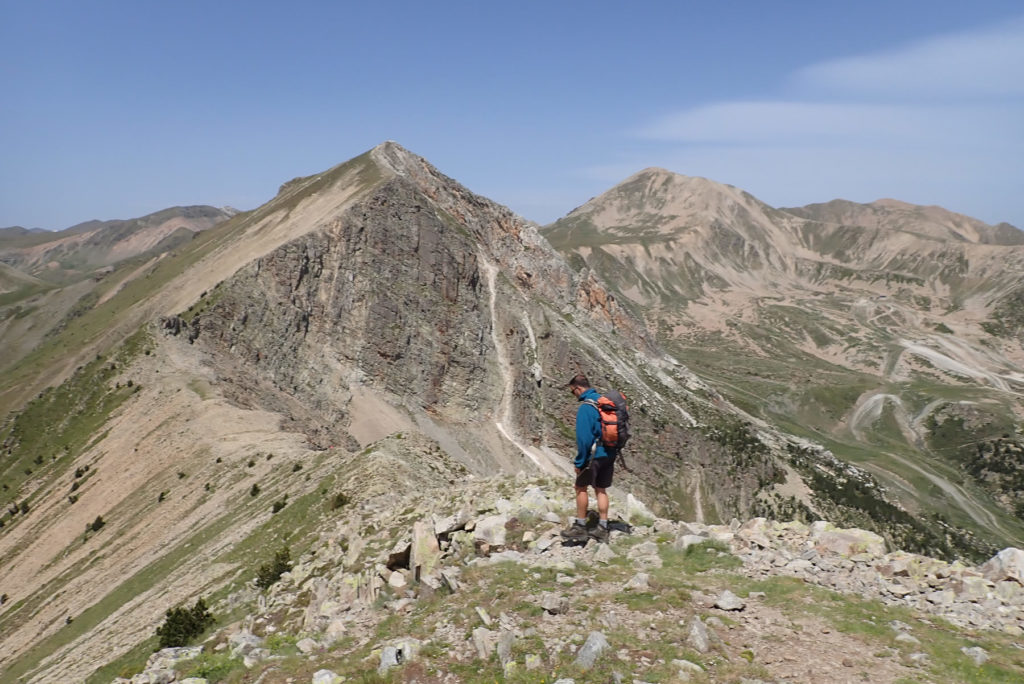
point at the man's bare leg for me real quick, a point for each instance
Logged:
(582, 501)
(602, 503)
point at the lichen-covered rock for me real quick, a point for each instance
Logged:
(425, 553)
(1008, 564)
(850, 542)
(326, 677)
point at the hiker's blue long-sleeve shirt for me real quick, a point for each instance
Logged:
(588, 429)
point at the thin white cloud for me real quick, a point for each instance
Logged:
(979, 63)
(937, 121)
(811, 123)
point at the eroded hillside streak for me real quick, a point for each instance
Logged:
(629, 373)
(504, 414)
(698, 502)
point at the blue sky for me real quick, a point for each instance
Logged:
(120, 108)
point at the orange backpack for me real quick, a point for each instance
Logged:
(614, 414)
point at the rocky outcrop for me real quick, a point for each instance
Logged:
(475, 564)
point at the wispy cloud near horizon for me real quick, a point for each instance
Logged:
(983, 63)
(936, 121)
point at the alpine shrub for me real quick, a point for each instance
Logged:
(182, 625)
(269, 573)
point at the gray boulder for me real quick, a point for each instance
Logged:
(595, 645)
(484, 640)
(167, 658)
(697, 636)
(553, 603)
(244, 642)
(425, 553)
(604, 554)
(684, 541)
(505, 643)
(850, 542)
(398, 652)
(155, 677)
(307, 645)
(639, 582)
(491, 530)
(975, 653)
(729, 601)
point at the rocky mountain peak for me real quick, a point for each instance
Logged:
(655, 196)
(391, 155)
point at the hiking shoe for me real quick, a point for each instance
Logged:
(599, 534)
(575, 532)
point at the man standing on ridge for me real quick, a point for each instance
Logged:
(594, 463)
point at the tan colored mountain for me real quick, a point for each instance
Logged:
(50, 278)
(934, 222)
(891, 333)
(63, 255)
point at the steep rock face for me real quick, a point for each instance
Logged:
(390, 288)
(458, 318)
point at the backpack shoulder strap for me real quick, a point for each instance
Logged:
(591, 402)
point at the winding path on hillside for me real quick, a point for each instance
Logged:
(977, 513)
(869, 409)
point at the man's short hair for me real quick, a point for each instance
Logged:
(580, 381)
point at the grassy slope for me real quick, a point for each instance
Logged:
(82, 404)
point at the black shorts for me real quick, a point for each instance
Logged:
(598, 474)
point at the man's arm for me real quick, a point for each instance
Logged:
(587, 424)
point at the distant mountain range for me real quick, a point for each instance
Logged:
(386, 330)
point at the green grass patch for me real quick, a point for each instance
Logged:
(62, 421)
(214, 667)
(695, 559)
